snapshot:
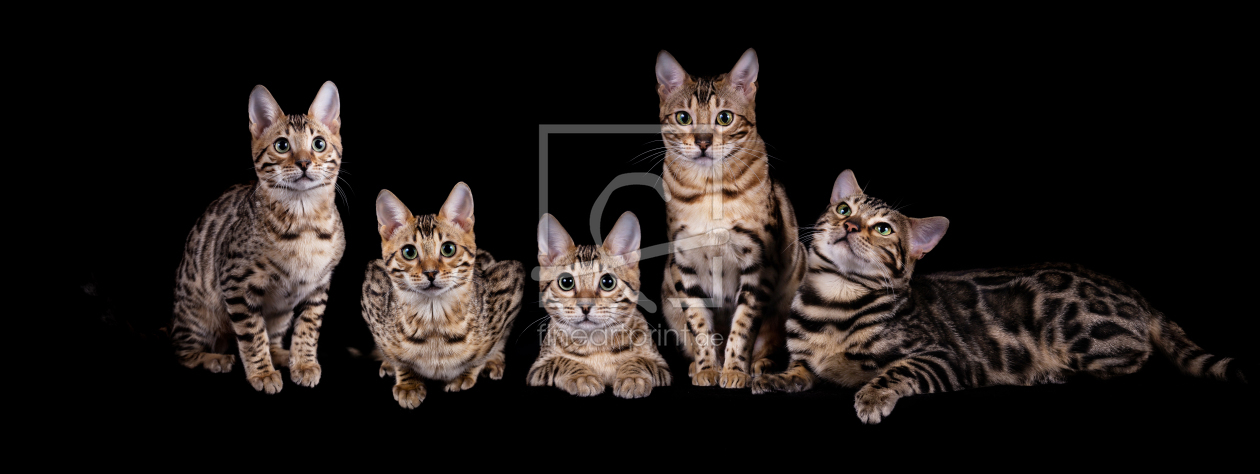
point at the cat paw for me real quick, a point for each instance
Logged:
(465, 381)
(494, 368)
(732, 378)
(767, 383)
(279, 357)
(691, 369)
(761, 366)
(705, 378)
(387, 369)
(266, 381)
(409, 395)
(873, 404)
(632, 387)
(582, 385)
(218, 363)
(306, 374)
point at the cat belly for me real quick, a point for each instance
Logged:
(436, 360)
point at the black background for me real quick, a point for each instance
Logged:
(1119, 151)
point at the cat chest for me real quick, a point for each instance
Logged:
(438, 357)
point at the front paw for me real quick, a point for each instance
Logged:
(632, 387)
(582, 385)
(266, 381)
(409, 395)
(705, 378)
(761, 366)
(766, 383)
(874, 404)
(218, 363)
(305, 374)
(733, 378)
(465, 381)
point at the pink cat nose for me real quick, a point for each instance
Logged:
(430, 274)
(850, 226)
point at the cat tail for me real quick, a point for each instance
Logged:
(1193, 360)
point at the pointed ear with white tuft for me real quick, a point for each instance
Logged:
(263, 110)
(553, 241)
(669, 74)
(326, 108)
(743, 76)
(846, 185)
(458, 208)
(623, 240)
(925, 234)
(391, 214)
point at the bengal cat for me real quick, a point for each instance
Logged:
(597, 336)
(734, 265)
(263, 253)
(438, 307)
(861, 320)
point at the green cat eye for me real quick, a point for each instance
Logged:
(409, 252)
(683, 118)
(883, 229)
(448, 249)
(282, 145)
(565, 281)
(607, 282)
(725, 117)
(318, 144)
(844, 210)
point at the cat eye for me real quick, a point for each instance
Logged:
(607, 282)
(282, 145)
(844, 210)
(565, 281)
(683, 118)
(448, 249)
(409, 252)
(318, 144)
(883, 229)
(725, 117)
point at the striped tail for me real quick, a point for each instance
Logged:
(1192, 359)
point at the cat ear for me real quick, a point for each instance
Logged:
(669, 74)
(925, 234)
(263, 110)
(458, 208)
(391, 214)
(846, 185)
(624, 238)
(326, 108)
(553, 240)
(743, 76)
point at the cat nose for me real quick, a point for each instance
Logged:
(303, 164)
(585, 307)
(703, 140)
(430, 274)
(850, 226)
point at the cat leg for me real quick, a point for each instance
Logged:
(746, 322)
(243, 297)
(304, 368)
(408, 388)
(920, 373)
(505, 286)
(566, 374)
(635, 378)
(797, 378)
(192, 333)
(386, 370)
(689, 300)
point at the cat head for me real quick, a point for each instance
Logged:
(863, 235)
(294, 154)
(589, 287)
(432, 254)
(705, 120)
